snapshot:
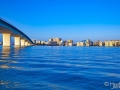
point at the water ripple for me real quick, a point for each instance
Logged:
(58, 68)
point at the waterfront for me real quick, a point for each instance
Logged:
(59, 68)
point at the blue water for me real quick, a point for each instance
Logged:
(59, 68)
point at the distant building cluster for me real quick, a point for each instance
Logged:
(85, 43)
(54, 42)
(99, 43)
(112, 43)
(60, 42)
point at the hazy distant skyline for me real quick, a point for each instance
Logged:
(67, 19)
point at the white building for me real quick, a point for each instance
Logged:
(70, 44)
(42, 42)
(38, 42)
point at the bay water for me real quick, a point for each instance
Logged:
(59, 68)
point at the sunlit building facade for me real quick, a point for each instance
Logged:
(96, 43)
(38, 42)
(112, 43)
(70, 41)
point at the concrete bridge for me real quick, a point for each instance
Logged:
(7, 30)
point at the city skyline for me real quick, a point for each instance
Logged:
(77, 20)
(88, 42)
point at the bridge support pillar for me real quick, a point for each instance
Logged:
(26, 43)
(22, 42)
(17, 41)
(30, 44)
(6, 39)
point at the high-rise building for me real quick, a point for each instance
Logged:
(63, 43)
(70, 41)
(78, 44)
(70, 44)
(84, 41)
(101, 44)
(91, 43)
(57, 40)
(111, 43)
(88, 42)
(47, 43)
(38, 41)
(82, 44)
(43, 42)
(51, 39)
(96, 43)
(66, 43)
(118, 42)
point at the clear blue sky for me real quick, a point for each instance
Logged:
(68, 19)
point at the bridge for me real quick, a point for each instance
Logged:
(7, 30)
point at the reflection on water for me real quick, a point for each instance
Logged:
(10, 67)
(9, 85)
(3, 82)
(5, 52)
(6, 60)
(58, 68)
